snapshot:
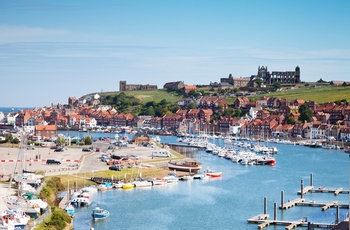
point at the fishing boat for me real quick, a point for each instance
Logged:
(99, 214)
(80, 199)
(187, 166)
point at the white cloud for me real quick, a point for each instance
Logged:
(28, 34)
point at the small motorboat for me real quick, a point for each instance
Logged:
(212, 173)
(99, 214)
(128, 185)
(70, 210)
(160, 181)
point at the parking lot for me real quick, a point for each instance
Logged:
(73, 159)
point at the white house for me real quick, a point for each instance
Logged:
(11, 118)
(96, 96)
(29, 129)
(91, 122)
(253, 111)
(2, 117)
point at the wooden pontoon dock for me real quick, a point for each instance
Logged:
(263, 221)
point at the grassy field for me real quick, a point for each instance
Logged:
(320, 94)
(146, 96)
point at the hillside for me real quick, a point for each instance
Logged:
(320, 94)
(146, 96)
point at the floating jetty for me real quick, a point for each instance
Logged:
(263, 221)
(311, 189)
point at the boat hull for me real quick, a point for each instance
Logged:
(185, 167)
(215, 174)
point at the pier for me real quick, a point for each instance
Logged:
(263, 221)
(336, 192)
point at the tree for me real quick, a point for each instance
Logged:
(238, 113)
(259, 82)
(150, 111)
(192, 105)
(9, 138)
(60, 141)
(277, 85)
(290, 120)
(229, 112)
(163, 102)
(15, 140)
(87, 140)
(220, 108)
(305, 113)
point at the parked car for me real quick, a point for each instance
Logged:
(59, 149)
(134, 157)
(53, 161)
(105, 158)
(115, 167)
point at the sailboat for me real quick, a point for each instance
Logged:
(32, 207)
(70, 210)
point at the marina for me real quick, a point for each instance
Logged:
(235, 196)
(263, 221)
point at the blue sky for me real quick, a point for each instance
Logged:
(51, 50)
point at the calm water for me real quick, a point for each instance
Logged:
(228, 202)
(15, 109)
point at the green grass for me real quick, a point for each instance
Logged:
(320, 94)
(146, 96)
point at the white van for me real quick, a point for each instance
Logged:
(161, 153)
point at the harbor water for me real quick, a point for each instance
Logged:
(227, 202)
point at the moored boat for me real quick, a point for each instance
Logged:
(142, 183)
(80, 201)
(187, 166)
(347, 149)
(13, 219)
(171, 177)
(99, 214)
(70, 210)
(128, 186)
(186, 177)
(160, 181)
